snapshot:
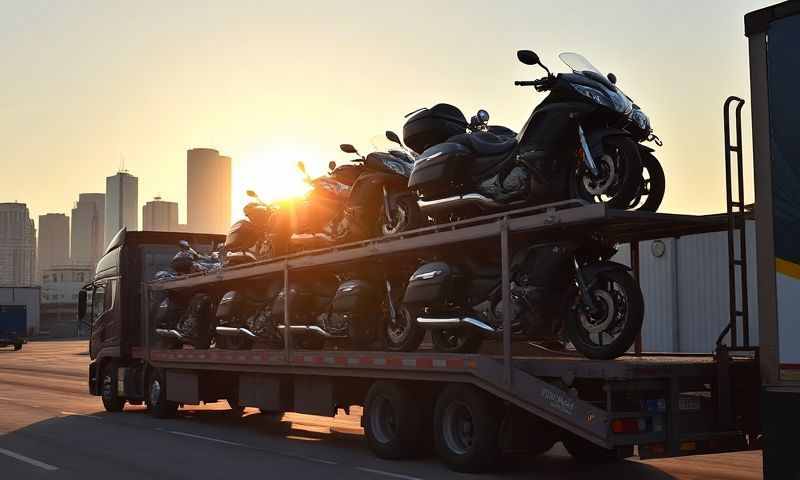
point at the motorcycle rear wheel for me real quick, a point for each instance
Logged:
(456, 340)
(610, 330)
(620, 179)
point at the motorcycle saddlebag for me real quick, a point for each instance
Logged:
(438, 169)
(432, 126)
(230, 303)
(355, 297)
(431, 287)
(167, 313)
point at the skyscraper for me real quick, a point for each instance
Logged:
(88, 220)
(53, 246)
(160, 216)
(122, 204)
(17, 245)
(208, 191)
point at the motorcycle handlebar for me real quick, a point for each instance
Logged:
(540, 84)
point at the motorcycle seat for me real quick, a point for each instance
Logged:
(485, 143)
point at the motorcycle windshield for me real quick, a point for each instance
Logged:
(578, 63)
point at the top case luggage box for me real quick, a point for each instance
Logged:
(432, 126)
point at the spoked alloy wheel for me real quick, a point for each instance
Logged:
(405, 215)
(404, 334)
(652, 185)
(619, 178)
(607, 328)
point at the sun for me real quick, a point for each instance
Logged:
(272, 173)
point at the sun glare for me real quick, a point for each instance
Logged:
(273, 174)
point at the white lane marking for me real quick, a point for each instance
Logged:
(387, 474)
(210, 439)
(9, 399)
(28, 460)
(75, 414)
(310, 459)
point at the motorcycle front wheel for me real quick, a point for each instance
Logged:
(619, 178)
(607, 328)
(404, 334)
(405, 215)
(652, 188)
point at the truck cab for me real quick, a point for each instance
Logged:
(111, 307)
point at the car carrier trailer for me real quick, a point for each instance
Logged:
(471, 406)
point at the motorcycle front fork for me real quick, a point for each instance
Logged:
(583, 287)
(386, 207)
(587, 153)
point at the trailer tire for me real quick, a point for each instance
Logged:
(467, 428)
(584, 451)
(111, 402)
(157, 402)
(392, 421)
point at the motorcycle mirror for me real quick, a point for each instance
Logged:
(251, 194)
(483, 116)
(528, 57)
(301, 166)
(184, 244)
(612, 78)
(393, 137)
(331, 165)
(347, 148)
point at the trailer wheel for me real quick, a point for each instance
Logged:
(157, 402)
(111, 402)
(392, 420)
(466, 428)
(585, 451)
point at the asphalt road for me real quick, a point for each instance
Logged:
(50, 427)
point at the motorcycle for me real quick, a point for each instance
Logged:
(322, 308)
(353, 202)
(565, 291)
(582, 141)
(249, 239)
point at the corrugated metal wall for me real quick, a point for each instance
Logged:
(686, 291)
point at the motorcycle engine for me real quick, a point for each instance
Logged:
(512, 186)
(335, 323)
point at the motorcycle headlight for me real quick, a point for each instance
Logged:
(397, 167)
(640, 119)
(594, 95)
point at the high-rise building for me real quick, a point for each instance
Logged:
(122, 204)
(160, 216)
(17, 245)
(53, 246)
(208, 191)
(88, 220)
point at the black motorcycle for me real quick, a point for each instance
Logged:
(365, 199)
(566, 291)
(582, 142)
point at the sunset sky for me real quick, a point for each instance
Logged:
(86, 83)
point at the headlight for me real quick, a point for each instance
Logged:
(640, 119)
(595, 95)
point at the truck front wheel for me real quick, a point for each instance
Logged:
(111, 402)
(157, 402)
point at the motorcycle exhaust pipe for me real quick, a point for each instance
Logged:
(431, 207)
(437, 323)
(163, 332)
(310, 329)
(233, 331)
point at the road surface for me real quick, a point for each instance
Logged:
(50, 427)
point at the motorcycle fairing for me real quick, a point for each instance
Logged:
(388, 163)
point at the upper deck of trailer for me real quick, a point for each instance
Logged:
(545, 223)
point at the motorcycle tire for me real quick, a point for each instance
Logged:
(629, 175)
(458, 340)
(405, 335)
(657, 182)
(633, 313)
(404, 205)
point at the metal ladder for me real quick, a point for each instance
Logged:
(736, 212)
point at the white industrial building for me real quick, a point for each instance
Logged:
(27, 298)
(88, 228)
(686, 294)
(53, 248)
(17, 245)
(122, 204)
(208, 191)
(160, 216)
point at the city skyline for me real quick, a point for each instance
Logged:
(216, 78)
